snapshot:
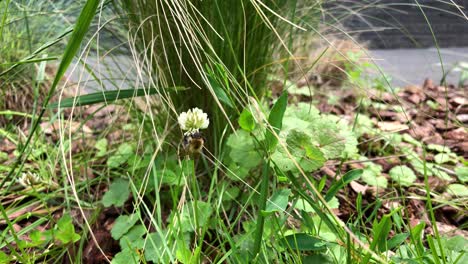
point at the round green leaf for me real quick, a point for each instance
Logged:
(372, 176)
(126, 256)
(4, 258)
(123, 153)
(444, 158)
(438, 148)
(101, 146)
(457, 189)
(403, 175)
(117, 194)
(243, 150)
(462, 173)
(277, 202)
(122, 224)
(66, 230)
(246, 120)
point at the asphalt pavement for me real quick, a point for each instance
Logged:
(404, 66)
(412, 66)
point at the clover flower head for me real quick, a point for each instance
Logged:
(193, 120)
(28, 179)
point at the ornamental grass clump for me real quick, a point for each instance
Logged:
(217, 51)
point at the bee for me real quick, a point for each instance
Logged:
(192, 144)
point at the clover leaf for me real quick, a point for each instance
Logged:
(403, 175)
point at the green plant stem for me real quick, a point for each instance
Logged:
(7, 135)
(431, 210)
(13, 232)
(4, 17)
(262, 203)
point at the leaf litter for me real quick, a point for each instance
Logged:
(419, 129)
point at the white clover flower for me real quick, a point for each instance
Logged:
(193, 120)
(28, 179)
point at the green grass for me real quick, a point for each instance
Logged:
(256, 194)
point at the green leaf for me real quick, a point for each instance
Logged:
(303, 205)
(457, 189)
(126, 256)
(48, 234)
(170, 172)
(187, 168)
(169, 177)
(122, 224)
(277, 202)
(334, 137)
(406, 137)
(131, 237)
(430, 168)
(330, 144)
(331, 134)
(295, 123)
(314, 155)
(380, 233)
(101, 146)
(441, 174)
(219, 92)
(334, 203)
(183, 253)
(438, 148)
(403, 175)
(299, 117)
(299, 144)
(243, 150)
(342, 182)
(154, 248)
(3, 156)
(123, 153)
(462, 173)
(66, 231)
(417, 233)
(372, 176)
(304, 242)
(201, 210)
(37, 237)
(396, 240)
(246, 120)
(231, 193)
(117, 194)
(275, 119)
(102, 97)
(138, 161)
(419, 165)
(457, 243)
(4, 258)
(445, 157)
(236, 172)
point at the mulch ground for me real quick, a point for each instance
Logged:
(432, 114)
